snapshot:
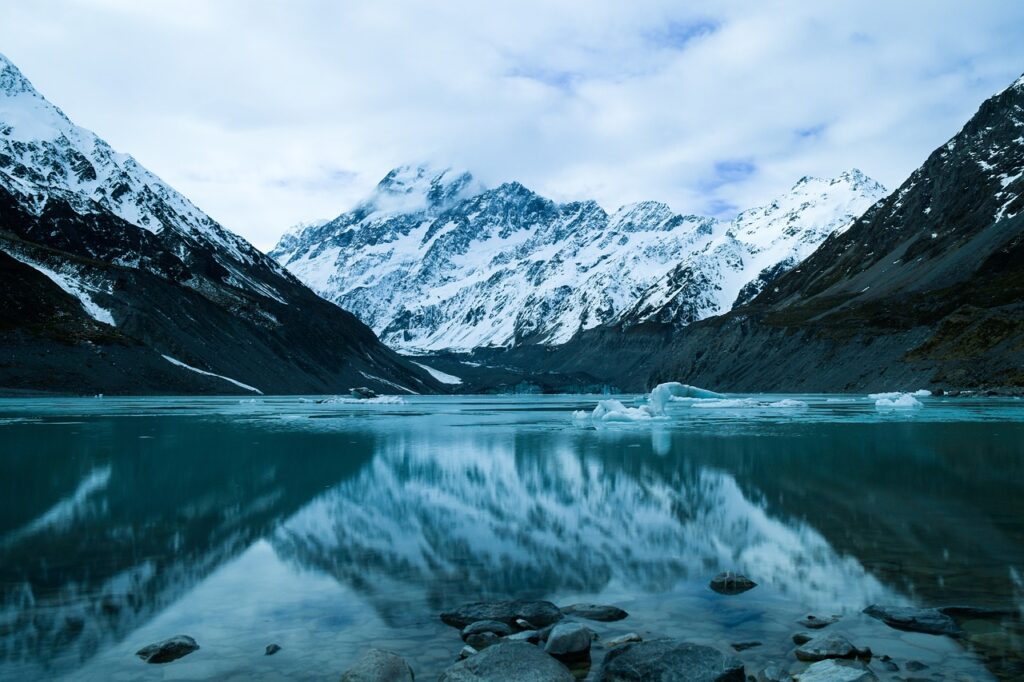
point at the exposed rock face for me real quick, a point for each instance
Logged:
(930, 621)
(508, 662)
(115, 283)
(600, 612)
(168, 650)
(539, 613)
(492, 626)
(666, 660)
(378, 665)
(433, 261)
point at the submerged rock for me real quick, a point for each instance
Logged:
(508, 662)
(814, 623)
(600, 612)
(494, 626)
(743, 646)
(539, 613)
(836, 671)
(802, 638)
(774, 673)
(378, 665)
(271, 649)
(668, 660)
(168, 650)
(569, 640)
(928, 621)
(623, 639)
(731, 583)
(532, 636)
(831, 645)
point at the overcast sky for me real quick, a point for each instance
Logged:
(270, 113)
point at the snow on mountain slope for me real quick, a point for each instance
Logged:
(760, 245)
(432, 261)
(44, 154)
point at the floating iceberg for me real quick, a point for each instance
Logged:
(379, 400)
(789, 403)
(725, 403)
(890, 401)
(893, 395)
(673, 390)
(614, 411)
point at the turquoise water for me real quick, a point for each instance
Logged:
(328, 528)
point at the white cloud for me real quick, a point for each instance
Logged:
(268, 113)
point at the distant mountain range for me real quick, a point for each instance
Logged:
(432, 261)
(925, 289)
(114, 282)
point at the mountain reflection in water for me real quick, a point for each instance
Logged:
(116, 514)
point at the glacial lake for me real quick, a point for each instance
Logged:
(330, 528)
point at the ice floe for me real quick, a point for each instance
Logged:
(890, 401)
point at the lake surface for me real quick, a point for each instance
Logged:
(328, 528)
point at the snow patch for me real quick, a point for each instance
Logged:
(74, 286)
(183, 365)
(443, 377)
(374, 377)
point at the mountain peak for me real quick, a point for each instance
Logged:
(12, 81)
(420, 187)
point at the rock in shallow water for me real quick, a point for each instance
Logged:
(623, 639)
(271, 649)
(569, 640)
(508, 662)
(826, 646)
(378, 665)
(667, 660)
(928, 621)
(600, 612)
(815, 623)
(168, 650)
(836, 671)
(731, 583)
(481, 626)
(538, 613)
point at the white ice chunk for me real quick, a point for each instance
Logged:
(663, 393)
(788, 403)
(900, 401)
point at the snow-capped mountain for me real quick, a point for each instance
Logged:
(433, 261)
(759, 245)
(142, 291)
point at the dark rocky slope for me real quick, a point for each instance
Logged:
(107, 272)
(926, 289)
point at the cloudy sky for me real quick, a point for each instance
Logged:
(270, 113)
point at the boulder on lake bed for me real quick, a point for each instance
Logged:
(271, 649)
(836, 671)
(928, 621)
(168, 650)
(814, 623)
(537, 613)
(482, 640)
(600, 612)
(569, 640)
(378, 665)
(731, 583)
(508, 662)
(667, 660)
